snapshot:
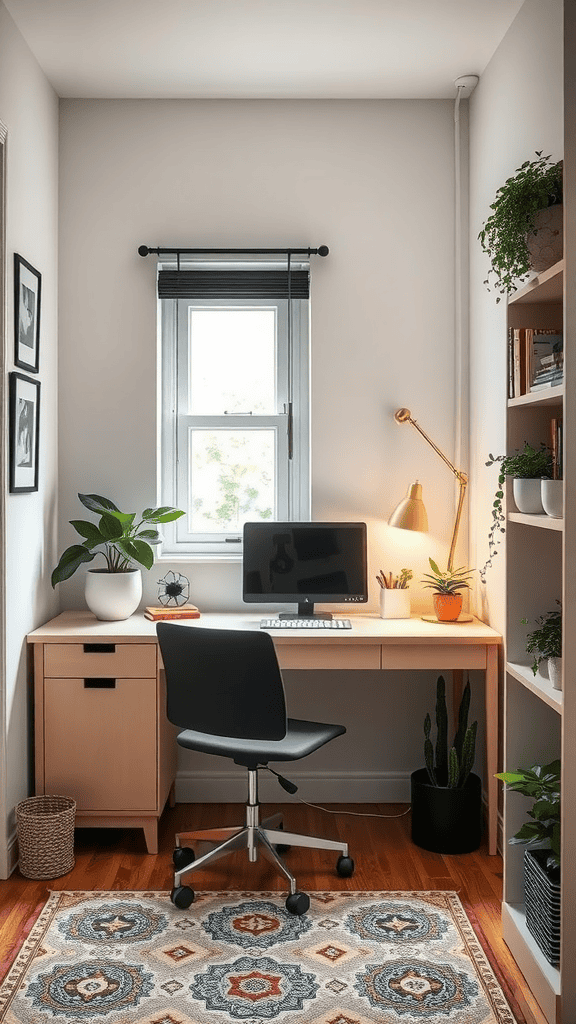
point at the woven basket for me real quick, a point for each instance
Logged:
(45, 827)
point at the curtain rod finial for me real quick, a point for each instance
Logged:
(143, 250)
(323, 250)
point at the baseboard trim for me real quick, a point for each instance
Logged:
(328, 787)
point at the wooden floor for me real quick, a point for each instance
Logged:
(384, 855)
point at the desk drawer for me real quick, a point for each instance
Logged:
(434, 656)
(128, 661)
(330, 656)
(100, 743)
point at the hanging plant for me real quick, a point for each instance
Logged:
(529, 464)
(535, 185)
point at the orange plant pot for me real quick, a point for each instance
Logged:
(447, 606)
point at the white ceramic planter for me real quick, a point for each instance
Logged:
(527, 495)
(394, 603)
(552, 495)
(555, 672)
(113, 595)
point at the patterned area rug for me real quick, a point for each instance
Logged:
(354, 958)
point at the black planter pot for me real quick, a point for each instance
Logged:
(446, 820)
(542, 899)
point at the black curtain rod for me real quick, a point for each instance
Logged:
(145, 250)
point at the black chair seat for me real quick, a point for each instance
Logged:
(301, 739)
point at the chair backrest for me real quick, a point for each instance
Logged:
(222, 681)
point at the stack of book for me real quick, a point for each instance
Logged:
(535, 359)
(547, 358)
(185, 611)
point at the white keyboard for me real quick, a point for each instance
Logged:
(305, 624)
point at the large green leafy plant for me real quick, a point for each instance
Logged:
(542, 783)
(124, 540)
(452, 767)
(534, 186)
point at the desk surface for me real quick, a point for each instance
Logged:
(366, 629)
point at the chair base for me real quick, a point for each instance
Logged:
(254, 837)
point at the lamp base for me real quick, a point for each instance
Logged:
(463, 617)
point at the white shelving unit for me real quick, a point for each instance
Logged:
(533, 711)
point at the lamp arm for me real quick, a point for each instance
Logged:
(403, 416)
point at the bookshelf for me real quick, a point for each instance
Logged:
(533, 710)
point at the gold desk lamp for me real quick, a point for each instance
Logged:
(411, 514)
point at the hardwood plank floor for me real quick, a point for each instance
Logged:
(385, 858)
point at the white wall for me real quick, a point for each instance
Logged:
(373, 181)
(516, 109)
(29, 108)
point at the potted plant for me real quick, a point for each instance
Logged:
(447, 587)
(446, 795)
(542, 865)
(113, 592)
(527, 468)
(524, 230)
(545, 643)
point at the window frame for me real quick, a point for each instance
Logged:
(293, 497)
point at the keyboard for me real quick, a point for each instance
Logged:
(305, 624)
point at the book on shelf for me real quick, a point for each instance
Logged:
(519, 360)
(185, 611)
(544, 365)
(556, 446)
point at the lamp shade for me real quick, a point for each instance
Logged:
(411, 514)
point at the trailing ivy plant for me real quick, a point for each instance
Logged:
(535, 185)
(530, 463)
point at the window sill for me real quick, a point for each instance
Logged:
(197, 559)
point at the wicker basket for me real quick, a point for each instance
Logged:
(45, 827)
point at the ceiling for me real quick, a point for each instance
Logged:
(302, 49)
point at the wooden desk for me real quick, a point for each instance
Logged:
(81, 739)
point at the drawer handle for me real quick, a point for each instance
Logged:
(99, 648)
(98, 683)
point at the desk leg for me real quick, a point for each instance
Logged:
(491, 697)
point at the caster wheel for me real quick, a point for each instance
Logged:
(345, 867)
(182, 857)
(297, 903)
(281, 847)
(182, 896)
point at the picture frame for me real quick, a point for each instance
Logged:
(24, 432)
(27, 298)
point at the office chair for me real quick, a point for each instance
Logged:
(225, 691)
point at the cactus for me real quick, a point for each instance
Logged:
(429, 751)
(462, 720)
(442, 732)
(468, 749)
(452, 768)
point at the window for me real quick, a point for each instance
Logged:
(234, 397)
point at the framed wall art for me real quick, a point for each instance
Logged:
(27, 293)
(24, 432)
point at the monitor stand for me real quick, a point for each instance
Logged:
(305, 611)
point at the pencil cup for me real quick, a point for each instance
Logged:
(394, 603)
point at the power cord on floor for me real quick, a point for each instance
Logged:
(359, 814)
(291, 788)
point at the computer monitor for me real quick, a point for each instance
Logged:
(304, 563)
